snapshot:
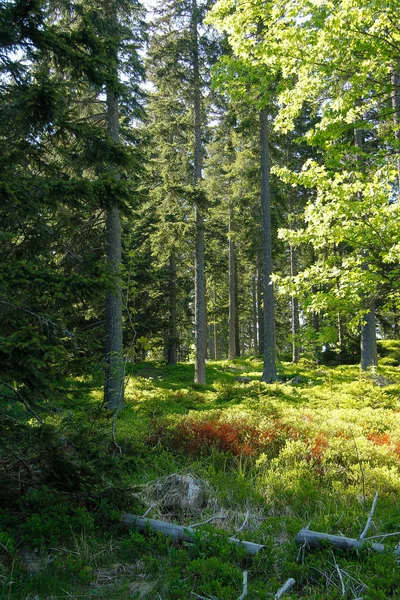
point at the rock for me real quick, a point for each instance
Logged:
(294, 380)
(244, 379)
(30, 560)
(182, 493)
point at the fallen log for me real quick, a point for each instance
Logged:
(178, 532)
(315, 539)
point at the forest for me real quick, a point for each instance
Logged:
(199, 296)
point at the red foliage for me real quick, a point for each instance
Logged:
(397, 449)
(320, 445)
(239, 437)
(380, 439)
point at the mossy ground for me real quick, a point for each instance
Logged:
(310, 450)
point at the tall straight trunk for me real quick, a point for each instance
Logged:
(172, 331)
(396, 115)
(200, 284)
(369, 352)
(269, 370)
(211, 341)
(114, 360)
(254, 313)
(260, 311)
(234, 349)
(215, 322)
(295, 319)
(294, 303)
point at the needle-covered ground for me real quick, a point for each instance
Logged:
(311, 449)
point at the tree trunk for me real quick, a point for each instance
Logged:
(295, 321)
(215, 322)
(200, 286)
(234, 349)
(114, 360)
(369, 352)
(172, 332)
(294, 303)
(396, 116)
(269, 371)
(260, 311)
(254, 313)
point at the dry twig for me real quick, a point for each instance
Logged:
(369, 520)
(285, 588)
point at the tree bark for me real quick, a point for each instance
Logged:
(215, 322)
(172, 331)
(114, 360)
(294, 303)
(254, 313)
(200, 285)
(269, 371)
(260, 311)
(234, 349)
(369, 352)
(396, 116)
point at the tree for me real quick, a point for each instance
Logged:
(340, 60)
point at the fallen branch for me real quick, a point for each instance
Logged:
(205, 522)
(244, 593)
(285, 588)
(315, 539)
(369, 520)
(178, 532)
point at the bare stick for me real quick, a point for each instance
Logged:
(205, 522)
(381, 536)
(244, 593)
(148, 510)
(244, 522)
(340, 575)
(285, 588)
(369, 520)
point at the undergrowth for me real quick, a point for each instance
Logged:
(311, 449)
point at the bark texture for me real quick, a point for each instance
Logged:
(171, 353)
(369, 352)
(269, 371)
(200, 285)
(114, 371)
(396, 116)
(234, 348)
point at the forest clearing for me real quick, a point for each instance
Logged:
(199, 299)
(309, 451)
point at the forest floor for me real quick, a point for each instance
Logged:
(312, 450)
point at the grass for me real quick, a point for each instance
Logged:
(313, 450)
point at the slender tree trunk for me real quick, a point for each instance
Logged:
(260, 311)
(396, 116)
(114, 360)
(254, 313)
(200, 285)
(269, 371)
(369, 352)
(295, 320)
(215, 322)
(234, 349)
(172, 331)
